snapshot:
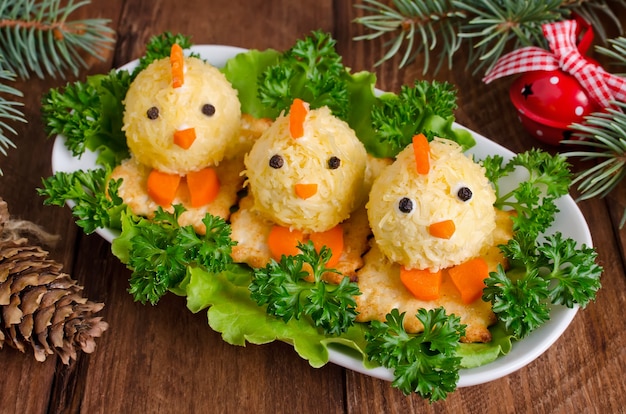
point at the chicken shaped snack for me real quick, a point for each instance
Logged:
(305, 176)
(435, 230)
(182, 119)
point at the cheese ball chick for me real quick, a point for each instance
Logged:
(181, 114)
(306, 174)
(433, 207)
(436, 233)
(311, 181)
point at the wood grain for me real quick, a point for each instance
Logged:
(164, 359)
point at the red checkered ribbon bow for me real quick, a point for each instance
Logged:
(599, 84)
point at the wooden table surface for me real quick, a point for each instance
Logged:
(164, 359)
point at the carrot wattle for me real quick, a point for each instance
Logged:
(422, 283)
(469, 278)
(204, 185)
(162, 187)
(333, 240)
(283, 241)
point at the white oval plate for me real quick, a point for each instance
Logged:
(569, 221)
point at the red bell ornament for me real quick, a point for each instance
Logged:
(548, 102)
(559, 87)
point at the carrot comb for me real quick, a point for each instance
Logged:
(297, 114)
(177, 63)
(421, 150)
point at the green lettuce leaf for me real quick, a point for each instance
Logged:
(478, 354)
(239, 319)
(243, 72)
(232, 312)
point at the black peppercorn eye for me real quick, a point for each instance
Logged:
(405, 205)
(334, 162)
(152, 113)
(276, 161)
(464, 194)
(208, 109)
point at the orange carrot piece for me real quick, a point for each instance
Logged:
(162, 187)
(283, 241)
(469, 278)
(421, 151)
(177, 64)
(305, 191)
(443, 229)
(423, 284)
(204, 185)
(297, 115)
(185, 137)
(332, 239)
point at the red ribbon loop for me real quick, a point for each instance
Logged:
(600, 85)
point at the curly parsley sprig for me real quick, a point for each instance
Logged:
(553, 272)
(533, 199)
(399, 117)
(283, 288)
(310, 70)
(159, 47)
(89, 115)
(161, 250)
(96, 201)
(425, 363)
(544, 270)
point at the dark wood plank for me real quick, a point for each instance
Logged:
(254, 24)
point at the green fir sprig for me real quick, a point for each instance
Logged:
(601, 139)
(486, 28)
(39, 37)
(617, 53)
(9, 111)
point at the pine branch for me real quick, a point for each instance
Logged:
(418, 27)
(597, 13)
(617, 52)
(9, 111)
(603, 140)
(37, 37)
(499, 26)
(487, 28)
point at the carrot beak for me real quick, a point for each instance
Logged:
(185, 137)
(443, 229)
(305, 191)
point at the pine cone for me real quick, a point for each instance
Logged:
(40, 306)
